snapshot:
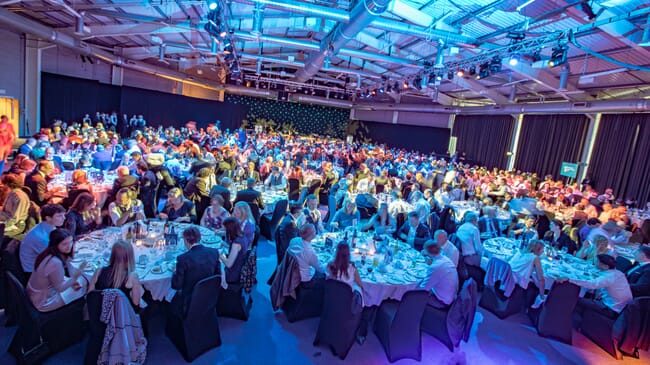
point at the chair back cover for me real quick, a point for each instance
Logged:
(462, 312)
(556, 314)
(623, 264)
(27, 314)
(409, 313)
(294, 189)
(279, 211)
(204, 298)
(632, 328)
(286, 281)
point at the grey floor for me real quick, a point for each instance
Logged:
(267, 338)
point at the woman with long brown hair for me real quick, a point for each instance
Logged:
(120, 274)
(84, 205)
(237, 251)
(342, 269)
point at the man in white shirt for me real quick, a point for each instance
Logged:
(441, 280)
(612, 289)
(446, 248)
(311, 273)
(470, 239)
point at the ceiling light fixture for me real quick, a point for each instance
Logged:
(212, 4)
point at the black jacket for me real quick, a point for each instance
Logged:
(639, 279)
(193, 266)
(250, 196)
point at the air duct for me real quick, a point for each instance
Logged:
(361, 15)
(31, 27)
(258, 19)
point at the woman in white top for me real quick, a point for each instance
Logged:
(525, 262)
(342, 269)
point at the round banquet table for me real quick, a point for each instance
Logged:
(102, 182)
(269, 196)
(385, 281)
(155, 262)
(562, 265)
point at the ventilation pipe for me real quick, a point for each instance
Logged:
(258, 19)
(361, 15)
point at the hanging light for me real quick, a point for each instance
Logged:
(514, 60)
(460, 72)
(213, 5)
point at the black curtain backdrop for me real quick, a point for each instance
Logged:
(546, 141)
(620, 158)
(410, 137)
(485, 139)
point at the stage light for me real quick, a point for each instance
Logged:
(484, 71)
(381, 90)
(406, 85)
(472, 70)
(514, 60)
(460, 72)
(558, 56)
(450, 75)
(495, 64)
(212, 4)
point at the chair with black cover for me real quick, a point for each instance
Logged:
(233, 302)
(623, 264)
(452, 325)
(255, 211)
(433, 221)
(553, 319)
(339, 319)
(269, 222)
(624, 334)
(294, 189)
(397, 326)
(297, 300)
(96, 328)
(496, 298)
(400, 218)
(44, 333)
(331, 208)
(314, 188)
(198, 330)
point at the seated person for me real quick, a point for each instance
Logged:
(526, 231)
(37, 183)
(312, 215)
(198, 263)
(83, 216)
(342, 269)
(215, 214)
(524, 263)
(382, 222)
(238, 247)
(413, 232)
(488, 225)
(48, 287)
(639, 274)
(612, 288)
(446, 248)
(250, 195)
(276, 180)
(347, 216)
(558, 239)
(120, 274)
(37, 239)
(125, 208)
(16, 207)
(598, 245)
(177, 208)
(311, 272)
(124, 180)
(102, 158)
(441, 280)
(80, 185)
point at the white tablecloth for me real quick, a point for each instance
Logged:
(386, 281)
(155, 263)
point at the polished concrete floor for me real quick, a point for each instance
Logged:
(267, 338)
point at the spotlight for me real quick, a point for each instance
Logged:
(212, 4)
(374, 92)
(406, 85)
(495, 64)
(450, 75)
(381, 90)
(484, 71)
(586, 8)
(558, 56)
(461, 73)
(472, 70)
(514, 60)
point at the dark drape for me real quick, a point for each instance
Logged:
(545, 141)
(410, 137)
(69, 98)
(620, 158)
(485, 140)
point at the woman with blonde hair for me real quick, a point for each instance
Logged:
(120, 274)
(177, 208)
(347, 216)
(242, 211)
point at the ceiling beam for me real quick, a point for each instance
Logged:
(473, 85)
(541, 77)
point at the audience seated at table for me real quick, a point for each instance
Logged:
(250, 195)
(311, 272)
(83, 216)
(237, 249)
(276, 180)
(15, 208)
(441, 280)
(178, 208)
(198, 263)
(413, 232)
(215, 214)
(446, 248)
(638, 275)
(125, 208)
(382, 222)
(311, 214)
(48, 287)
(558, 239)
(526, 263)
(347, 216)
(38, 238)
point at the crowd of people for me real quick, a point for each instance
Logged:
(189, 171)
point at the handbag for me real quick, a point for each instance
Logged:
(35, 355)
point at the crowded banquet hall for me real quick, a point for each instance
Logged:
(325, 182)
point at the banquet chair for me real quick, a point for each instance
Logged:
(198, 330)
(297, 301)
(314, 189)
(269, 222)
(499, 297)
(624, 334)
(331, 207)
(553, 319)
(233, 303)
(452, 325)
(433, 221)
(397, 326)
(46, 333)
(339, 319)
(255, 210)
(294, 189)
(10, 262)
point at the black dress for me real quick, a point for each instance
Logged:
(105, 281)
(234, 272)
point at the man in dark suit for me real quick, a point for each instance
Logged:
(287, 230)
(198, 263)
(413, 232)
(149, 187)
(250, 195)
(639, 275)
(37, 183)
(488, 224)
(223, 189)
